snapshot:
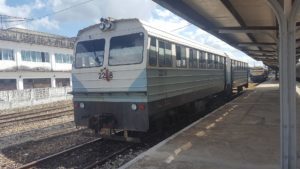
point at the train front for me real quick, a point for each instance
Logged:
(109, 76)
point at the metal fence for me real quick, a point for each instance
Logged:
(28, 97)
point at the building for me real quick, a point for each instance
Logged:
(30, 59)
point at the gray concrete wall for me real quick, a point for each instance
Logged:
(29, 97)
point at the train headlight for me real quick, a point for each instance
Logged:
(134, 107)
(102, 26)
(81, 105)
(108, 25)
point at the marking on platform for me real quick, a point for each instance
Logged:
(200, 133)
(219, 119)
(185, 146)
(210, 126)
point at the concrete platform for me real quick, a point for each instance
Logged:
(243, 134)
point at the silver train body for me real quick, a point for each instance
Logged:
(258, 74)
(130, 72)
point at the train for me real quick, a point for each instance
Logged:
(258, 74)
(298, 71)
(127, 72)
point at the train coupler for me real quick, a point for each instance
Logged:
(124, 138)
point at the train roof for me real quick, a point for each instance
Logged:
(151, 30)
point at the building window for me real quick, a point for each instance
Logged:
(152, 52)
(8, 84)
(165, 54)
(37, 83)
(63, 58)
(34, 56)
(7, 54)
(62, 82)
(180, 56)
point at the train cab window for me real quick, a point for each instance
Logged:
(180, 56)
(152, 52)
(202, 59)
(165, 54)
(193, 62)
(126, 49)
(89, 53)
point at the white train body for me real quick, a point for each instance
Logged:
(135, 72)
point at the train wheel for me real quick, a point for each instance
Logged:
(240, 89)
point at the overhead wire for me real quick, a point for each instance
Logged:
(54, 13)
(189, 24)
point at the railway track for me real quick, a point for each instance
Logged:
(81, 150)
(96, 153)
(12, 119)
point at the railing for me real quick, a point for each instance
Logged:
(28, 97)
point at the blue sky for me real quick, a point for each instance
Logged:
(70, 21)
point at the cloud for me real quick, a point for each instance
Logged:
(45, 23)
(165, 20)
(94, 10)
(21, 11)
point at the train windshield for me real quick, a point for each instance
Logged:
(126, 49)
(89, 53)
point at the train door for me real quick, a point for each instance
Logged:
(228, 76)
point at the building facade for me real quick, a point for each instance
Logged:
(30, 59)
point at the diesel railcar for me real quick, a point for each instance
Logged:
(258, 74)
(127, 72)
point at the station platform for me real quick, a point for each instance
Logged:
(242, 134)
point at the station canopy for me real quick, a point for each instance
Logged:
(248, 25)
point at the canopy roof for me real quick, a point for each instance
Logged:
(248, 25)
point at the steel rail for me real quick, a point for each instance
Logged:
(35, 162)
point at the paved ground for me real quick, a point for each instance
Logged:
(243, 134)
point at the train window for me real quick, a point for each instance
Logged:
(126, 49)
(180, 56)
(210, 60)
(89, 53)
(202, 59)
(216, 61)
(193, 63)
(221, 62)
(165, 54)
(152, 52)
(168, 54)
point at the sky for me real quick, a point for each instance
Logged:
(67, 17)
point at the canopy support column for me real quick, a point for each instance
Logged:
(287, 55)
